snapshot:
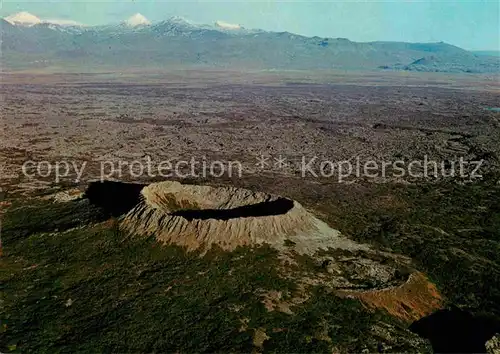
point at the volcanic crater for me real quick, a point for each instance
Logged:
(199, 217)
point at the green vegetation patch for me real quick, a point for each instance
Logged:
(93, 289)
(450, 230)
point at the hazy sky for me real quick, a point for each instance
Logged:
(473, 25)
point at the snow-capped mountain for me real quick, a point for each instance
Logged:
(23, 19)
(178, 24)
(177, 41)
(137, 20)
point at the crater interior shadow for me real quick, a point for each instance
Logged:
(279, 206)
(456, 331)
(114, 198)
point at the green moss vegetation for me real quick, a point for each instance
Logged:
(451, 231)
(92, 289)
(71, 281)
(27, 218)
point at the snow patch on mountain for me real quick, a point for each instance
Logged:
(180, 20)
(227, 26)
(137, 20)
(23, 18)
(62, 22)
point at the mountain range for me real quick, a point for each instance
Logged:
(27, 42)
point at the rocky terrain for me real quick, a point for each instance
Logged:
(400, 263)
(95, 121)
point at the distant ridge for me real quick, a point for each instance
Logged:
(493, 53)
(29, 41)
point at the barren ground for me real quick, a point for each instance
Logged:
(449, 227)
(94, 118)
